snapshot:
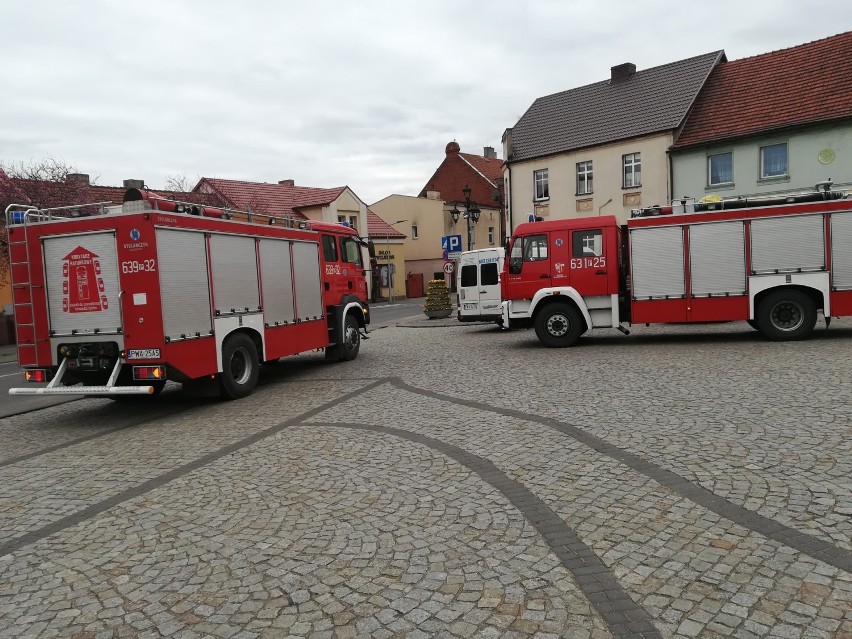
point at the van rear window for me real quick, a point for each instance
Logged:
(468, 275)
(488, 274)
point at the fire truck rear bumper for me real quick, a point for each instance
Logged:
(104, 391)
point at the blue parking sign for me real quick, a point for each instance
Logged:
(451, 243)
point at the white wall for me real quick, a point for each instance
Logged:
(607, 167)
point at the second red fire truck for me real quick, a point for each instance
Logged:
(116, 300)
(773, 262)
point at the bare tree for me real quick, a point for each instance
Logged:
(40, 183)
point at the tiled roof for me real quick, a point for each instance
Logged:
(48, 194)
(805, 84)
(377, 227)
(492, 168)
(270, 199)
(651, 101)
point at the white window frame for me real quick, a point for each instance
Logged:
(786, 173)
(585, 183)
(710, 181)
(414, 233)
(633, 162)
(541, 185)
(491, 235)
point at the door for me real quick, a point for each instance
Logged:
(591, 258)
(489, 284)
(529, 266)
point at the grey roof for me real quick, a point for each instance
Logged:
(653, 100)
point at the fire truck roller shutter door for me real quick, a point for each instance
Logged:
(234, 266)
(657, 260)
(717, 258)
(184, 287)
(790, 243)
(306, 273)
(275, 267)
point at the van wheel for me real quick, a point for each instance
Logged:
(351, 339)
(239, 367)
(558, 325)
(786, 315)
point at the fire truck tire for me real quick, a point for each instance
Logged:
(240, 366)
(558, 325)
(786, 315)
(351, 339)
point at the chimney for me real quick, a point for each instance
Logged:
(287, 182)
(134, 184)
(489, 152)
(433, 195)
(77, 179)
(622, 72)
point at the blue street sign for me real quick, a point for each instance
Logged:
(451, 243)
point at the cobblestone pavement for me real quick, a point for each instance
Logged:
(451, 482)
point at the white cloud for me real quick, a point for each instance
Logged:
(329, 93)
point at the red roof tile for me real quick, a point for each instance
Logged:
(270, 199)
(377, 227)
(801, 85)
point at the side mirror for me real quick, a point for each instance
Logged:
(515, 264)
(371, 249)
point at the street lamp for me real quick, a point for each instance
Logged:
(390, 274)
(471, 212)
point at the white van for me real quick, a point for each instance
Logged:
(478, 285)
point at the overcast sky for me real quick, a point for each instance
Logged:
(328, 93)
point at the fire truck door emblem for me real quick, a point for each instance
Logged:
(82, 288)
(135, 235)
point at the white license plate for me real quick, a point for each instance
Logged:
(470, 307)
(144, 353)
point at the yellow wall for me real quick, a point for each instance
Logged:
(607, 166)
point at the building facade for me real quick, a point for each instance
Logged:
(601, 148)
(775, 123)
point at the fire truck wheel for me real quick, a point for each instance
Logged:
(786, 315)
(351, 339)
(558, 325)
(239, 366)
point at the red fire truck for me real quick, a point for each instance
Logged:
(773, 262)
(116, 300)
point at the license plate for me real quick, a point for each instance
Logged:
(144, 353)
(470, 307)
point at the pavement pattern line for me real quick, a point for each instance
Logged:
(790, 537)
(38, 534)
(624, 617)
(92, 436)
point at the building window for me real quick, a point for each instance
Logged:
(542, 189)
(584, 178)
(348, 220)
(632, 170)
(414, 232)
(720, 169)
(773, 161)
(491, 235)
